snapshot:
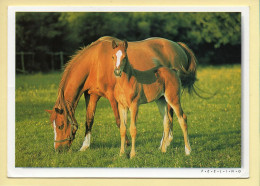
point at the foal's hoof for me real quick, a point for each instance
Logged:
(163, 147)
(187, 151)
(122, 153)
(132, 155)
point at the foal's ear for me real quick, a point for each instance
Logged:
(125, 44)
(60, 111)
(49, 111)
(114, 45)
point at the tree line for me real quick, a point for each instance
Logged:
(215, 37)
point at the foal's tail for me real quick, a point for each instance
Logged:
(188, 76)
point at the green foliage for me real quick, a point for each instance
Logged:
(214, 37)
(214, 127)
(38, 31)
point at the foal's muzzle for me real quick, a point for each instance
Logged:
(118, 72)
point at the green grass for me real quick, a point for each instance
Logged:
(214, 127)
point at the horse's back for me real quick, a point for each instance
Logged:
(141, 53)
(169, 53)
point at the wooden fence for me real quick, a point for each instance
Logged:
(32, 54)
(22, 54)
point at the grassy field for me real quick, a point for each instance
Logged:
(214, 127)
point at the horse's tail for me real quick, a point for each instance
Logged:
(188, 76)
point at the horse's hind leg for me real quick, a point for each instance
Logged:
(167, 124)
(91, 103)
(174, 101)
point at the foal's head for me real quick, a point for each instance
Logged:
(64, 131)
(119, 56)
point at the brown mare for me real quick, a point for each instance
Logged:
(130, 93)
(90, 72)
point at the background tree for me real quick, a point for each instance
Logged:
(214, 37)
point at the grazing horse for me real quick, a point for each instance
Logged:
(130, 92)
(90, 72)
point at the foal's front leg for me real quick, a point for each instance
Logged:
(133, 131)
(114, 106)
(123, 118)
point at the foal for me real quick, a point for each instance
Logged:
(135, 87)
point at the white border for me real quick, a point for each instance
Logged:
(242, 172)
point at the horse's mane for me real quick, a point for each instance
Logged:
(61, 102)
(68, 66)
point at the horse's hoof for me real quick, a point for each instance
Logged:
(82, 149)
(187, 151)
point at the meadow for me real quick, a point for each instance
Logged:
(214, 127)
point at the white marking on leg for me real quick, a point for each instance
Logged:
(170, 137)
(187, 151)
(86, 142)
(118, 55)
(161, 141)
(55, 133)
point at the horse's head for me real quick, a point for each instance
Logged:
(64, 131)
(119, 56)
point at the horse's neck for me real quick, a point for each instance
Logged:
(72, 88)
(72, 93)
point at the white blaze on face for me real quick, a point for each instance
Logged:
(118, 57)
(55, 134)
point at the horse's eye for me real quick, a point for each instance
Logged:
(61, 127)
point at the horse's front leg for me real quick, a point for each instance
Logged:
(123, 117)
(91, 103)
(133, 131)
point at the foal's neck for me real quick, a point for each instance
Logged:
(143, 77)
(129, 70)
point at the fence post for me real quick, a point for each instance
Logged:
(22, 60)
(52, 61)
(61, 60)
(33, 58)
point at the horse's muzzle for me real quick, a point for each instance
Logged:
(118, 72)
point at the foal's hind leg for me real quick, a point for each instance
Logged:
(174, 101)
(91, 103)
(167, 124)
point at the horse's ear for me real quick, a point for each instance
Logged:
(114, 45)
(60, 111)
(49, 111)
(125, 44)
